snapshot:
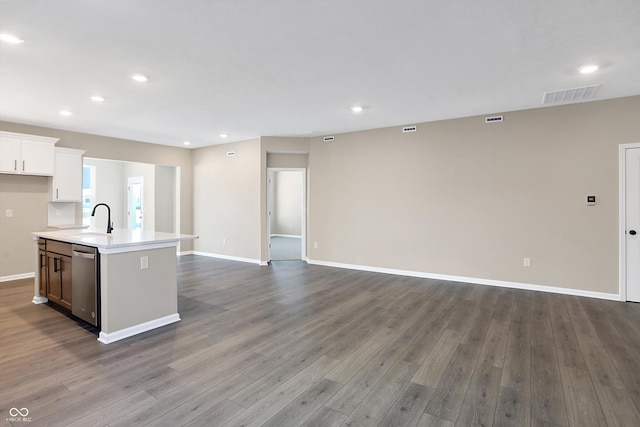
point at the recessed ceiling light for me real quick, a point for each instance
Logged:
(187, 143)
(66, 112)
(223, 135)
(139, 78)
(356, 109)
(10, 39)
(97, 98)
(588, 69)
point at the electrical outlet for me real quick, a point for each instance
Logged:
(8, 213)
(526, 262)
(144, 262)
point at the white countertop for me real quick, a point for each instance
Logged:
(119, 240)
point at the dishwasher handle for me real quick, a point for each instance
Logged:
(84, 255)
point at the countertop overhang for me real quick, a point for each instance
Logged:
(118, 241)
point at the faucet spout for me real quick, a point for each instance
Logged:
(109, 225)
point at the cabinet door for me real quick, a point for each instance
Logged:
(9, 154)
(44, 276)
(54, 289)
(67, 178)
(65, 282)
(37, 157)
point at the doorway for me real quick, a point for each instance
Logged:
(135, 199)
(286, 213)
(630, 222)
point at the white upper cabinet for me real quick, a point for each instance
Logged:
(27, 154)
(66, 185)
(9, 154)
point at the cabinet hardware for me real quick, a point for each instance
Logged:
(57, 197)
(55, 265)
(15, 165)
(23, 166)
(41, 263)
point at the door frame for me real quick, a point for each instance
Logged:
(303, 225)
(622, 221)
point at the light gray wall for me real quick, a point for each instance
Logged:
(27, 197)
(165, 196)
(465, 198)
(227, 199)
(458, 197)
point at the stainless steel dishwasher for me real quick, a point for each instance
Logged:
(84, 283)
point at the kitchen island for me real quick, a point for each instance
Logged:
(137, 279)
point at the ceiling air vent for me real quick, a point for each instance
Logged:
(578, 94)
(231, 153)
(493, 119)
(328, 138)
(409, 128)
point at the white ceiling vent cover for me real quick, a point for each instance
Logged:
(328, 138)
(409, 129)
(494, 119)
(578, 94)
(231, 153)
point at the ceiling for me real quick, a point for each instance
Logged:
(296, 67)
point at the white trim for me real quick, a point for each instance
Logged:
(17, 277)
(229, 257)
(137, 329)
(29, 136)
(622, 221)
(293, 236)
(184, 253)
(304, 213)
(477, 281)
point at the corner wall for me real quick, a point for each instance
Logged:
(469, 199)
(226, 200)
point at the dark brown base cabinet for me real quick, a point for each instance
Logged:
(55, 272)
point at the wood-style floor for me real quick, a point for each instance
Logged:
(295, 344)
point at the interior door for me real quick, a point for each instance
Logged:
(632, 223)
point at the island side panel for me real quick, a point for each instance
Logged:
(130, 295)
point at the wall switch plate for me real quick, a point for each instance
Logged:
(591, 200)
(144, 262)
(315, 245)
(526, 262)
(8, 213)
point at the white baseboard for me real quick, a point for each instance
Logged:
(229, 257)
(287, 235)
(474, 280)
(17, 277)
(137, 329)
(183, 253)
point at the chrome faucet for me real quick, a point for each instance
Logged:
(109, 225)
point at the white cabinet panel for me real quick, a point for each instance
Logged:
(37, 157)
(26, 154)
(67, 179)
(9, 154)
